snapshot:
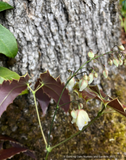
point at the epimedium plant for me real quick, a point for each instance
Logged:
(47, 87)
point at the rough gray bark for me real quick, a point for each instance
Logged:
(57, 35)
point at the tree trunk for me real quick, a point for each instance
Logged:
(56, 35)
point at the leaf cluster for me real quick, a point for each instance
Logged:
(46, 87)
(93, 92)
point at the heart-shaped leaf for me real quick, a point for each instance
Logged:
(6, 74)
(93, 92)
(16, 149)
(107, 100)
(8, 44)
(10, 152)
(117, 106)
(9, 90)
(5, 6)
(53, 88)
(42, 98)
(87, 94)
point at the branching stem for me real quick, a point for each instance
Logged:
(66, 85)
(33, 92)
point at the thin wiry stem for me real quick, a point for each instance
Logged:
(65, 87)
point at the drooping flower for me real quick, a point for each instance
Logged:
(91, 78)
(120, 62)
(116, 62)
(80, 117)
(110, 62)
(91, 54)
(121, 47)
(95, 75)
(71, 84)
(105, 73)
(85, 77)
(124, 61)
(82, 84)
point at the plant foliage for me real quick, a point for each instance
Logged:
(52, 88)
(9, 90)
(5, 6)
(93, 92)
(6, 74)
(8, 44)
(15, 149)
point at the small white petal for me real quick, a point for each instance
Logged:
(82, 119)
(71, 84)
(91, 77)
(82, 84)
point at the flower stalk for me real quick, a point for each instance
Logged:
(33, 92)
(62, 94)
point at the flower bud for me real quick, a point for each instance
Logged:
(85, 77)
(95, 75)
(71, 84)
(105, 73)
(110, 62)
(74, 114)
(124, 62)
(80, 117)
(82, 84)
(120, 62)
(119, 55)
(121, 47)
(91, 77)
(116, 62)
(80, 106)
(91, 54)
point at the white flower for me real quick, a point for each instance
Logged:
(105, 73)
(116, 62)
(80, 117)
(121, 47)
(91, 54)
(83, 84)
(91, 77)
(71, 84)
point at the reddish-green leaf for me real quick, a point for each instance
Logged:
(26, 152)
(9, 90)
(42, 98)
(16, 149)
(95, 89)
(87, 94)
(102, 96)
(53, 88)
(93, 92)
(117, 106)
(107, 100)
(10, 152)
